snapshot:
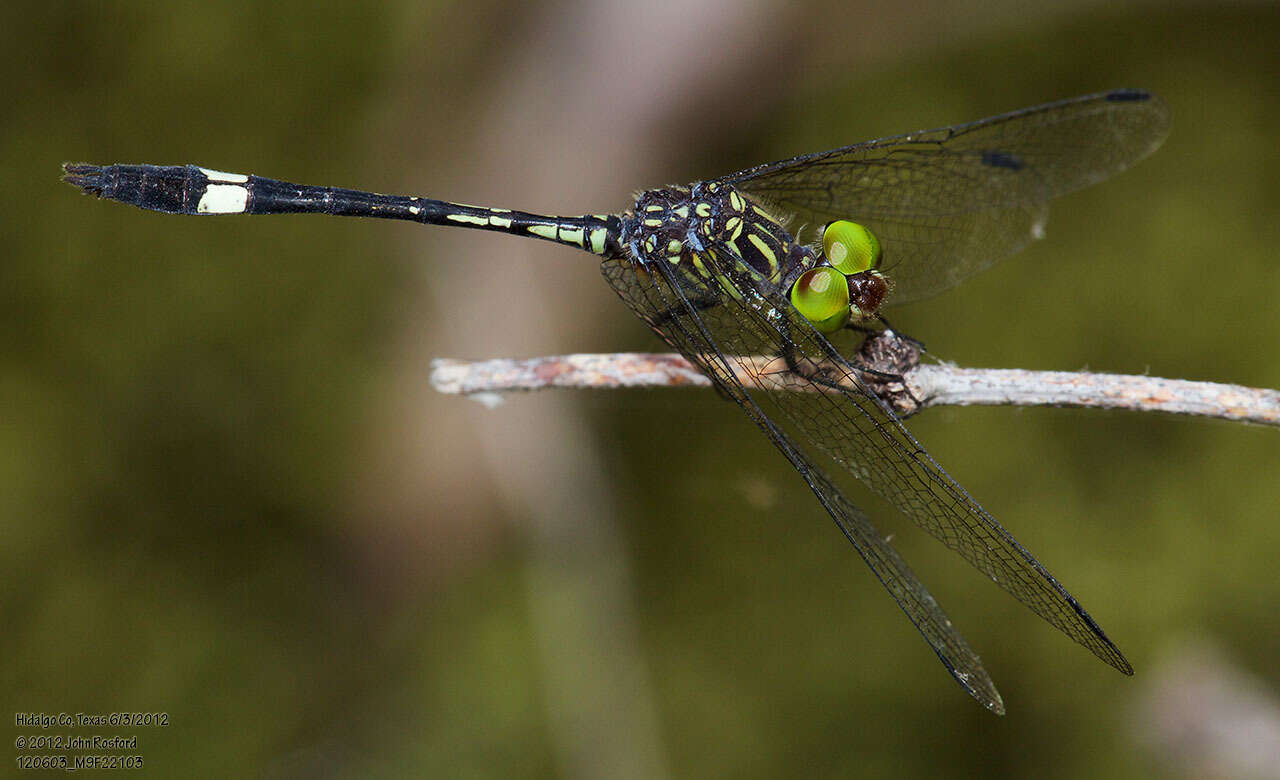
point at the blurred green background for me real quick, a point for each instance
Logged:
(227, 491)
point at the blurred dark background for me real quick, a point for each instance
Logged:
(228, 492)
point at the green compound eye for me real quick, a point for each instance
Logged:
(850, 247)
(822, 296)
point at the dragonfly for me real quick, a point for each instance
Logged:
(721, 271)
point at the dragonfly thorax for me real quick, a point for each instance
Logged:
(719, 239)
(687, 225)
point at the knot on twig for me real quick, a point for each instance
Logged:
(886, 358)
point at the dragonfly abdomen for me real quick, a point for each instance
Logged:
(194, 190)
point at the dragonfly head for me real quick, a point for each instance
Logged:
(850, 286)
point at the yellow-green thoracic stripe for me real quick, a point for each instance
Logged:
(757, 242)
(710, 232)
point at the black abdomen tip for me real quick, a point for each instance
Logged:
(154, 187)
(86, 177)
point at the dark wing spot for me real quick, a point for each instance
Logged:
(1128, 96)
(997, 159)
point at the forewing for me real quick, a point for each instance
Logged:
(947, 203)
(672, 309)
(854, 427)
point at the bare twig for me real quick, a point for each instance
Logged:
(933, 385)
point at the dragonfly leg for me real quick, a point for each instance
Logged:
(886, 357)
(882, 363)
(831, 374)
(886, 327)
(919, 345)
(859, 327)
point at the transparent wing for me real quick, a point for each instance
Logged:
(660, 300)
(847, 422)
(948, 203)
